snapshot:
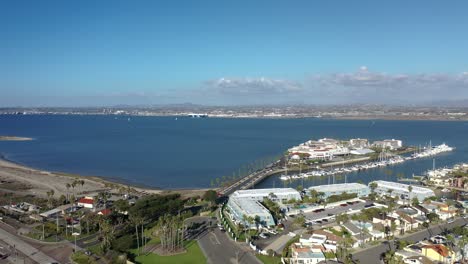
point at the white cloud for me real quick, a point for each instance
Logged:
(253, 86)
(361, 86)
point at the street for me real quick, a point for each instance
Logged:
(218, 247)
(25, 248)
(372, 254)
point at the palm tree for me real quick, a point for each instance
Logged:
(50, 194)
(68, 189)
(73, 186)
(135, 220)
(82, 182)
(410, 189)
(373, 186)
(107, 234)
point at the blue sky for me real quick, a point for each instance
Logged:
(239, 52)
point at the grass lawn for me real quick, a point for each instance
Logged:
(81, 258)
(268, 259)
(194, 255)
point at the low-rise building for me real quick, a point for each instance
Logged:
(86, 202)
(403, 190)
(241, 210)
(305, 255)
(359, 143)
(438, 252)
(337, 189)
(275, 194)
(391, 144)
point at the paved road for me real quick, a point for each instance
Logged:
(25, 248)
(218, 248)
(372, 255)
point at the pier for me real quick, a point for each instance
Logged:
(250, 180)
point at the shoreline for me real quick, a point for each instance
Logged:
(299, 116)
(37, 182)
(15, 138)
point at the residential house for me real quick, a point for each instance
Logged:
(359, 234)
(305, 255)
(408, 222)
(438, 252)
(86, 202)
(331, 241)
(105, 212)
(417, 260)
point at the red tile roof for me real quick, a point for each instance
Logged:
(86, 201)
(105, 211)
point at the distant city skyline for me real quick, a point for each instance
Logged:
(88, 53)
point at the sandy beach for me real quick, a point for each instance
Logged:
(24, 180)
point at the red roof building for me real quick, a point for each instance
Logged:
(105, 212)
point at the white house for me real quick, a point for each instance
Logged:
(86, 202)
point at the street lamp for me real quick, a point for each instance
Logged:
(75, 235)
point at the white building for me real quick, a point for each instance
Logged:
(275, 194)
(325, 149)
(389, 143)
(402, 190)
(340, 188)
(239, 207)
(86, 202)
(359, 143)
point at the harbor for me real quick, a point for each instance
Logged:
(383, 162)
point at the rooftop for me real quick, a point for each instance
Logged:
(250, 207)
(265, 192)
(339, 187)
(403, 187)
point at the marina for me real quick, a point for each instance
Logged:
(426, 152)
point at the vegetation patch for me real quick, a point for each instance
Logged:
(193, 255)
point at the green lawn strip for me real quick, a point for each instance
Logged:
(193, 255)
(81, 258)
(268, 259)
(96, 249)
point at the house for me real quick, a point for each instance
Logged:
(407, 222)
(323, 238)
(86, 202)
(105, 212)
(438, 252)
(358, 233)
(305, 255)
(417, 260)
(312, 239)
(331, 241)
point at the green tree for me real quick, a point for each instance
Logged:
(107, 235)
(299, 221)
(210, 196)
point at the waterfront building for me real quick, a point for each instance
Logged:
(240, 209)
(275, 194)
(392, 144)
(337, 189)
(358, 143)
(362, 151)
(324, 149)
(402, 190)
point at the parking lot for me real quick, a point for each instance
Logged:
(326, 215)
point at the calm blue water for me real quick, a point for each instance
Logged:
(188, 153)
